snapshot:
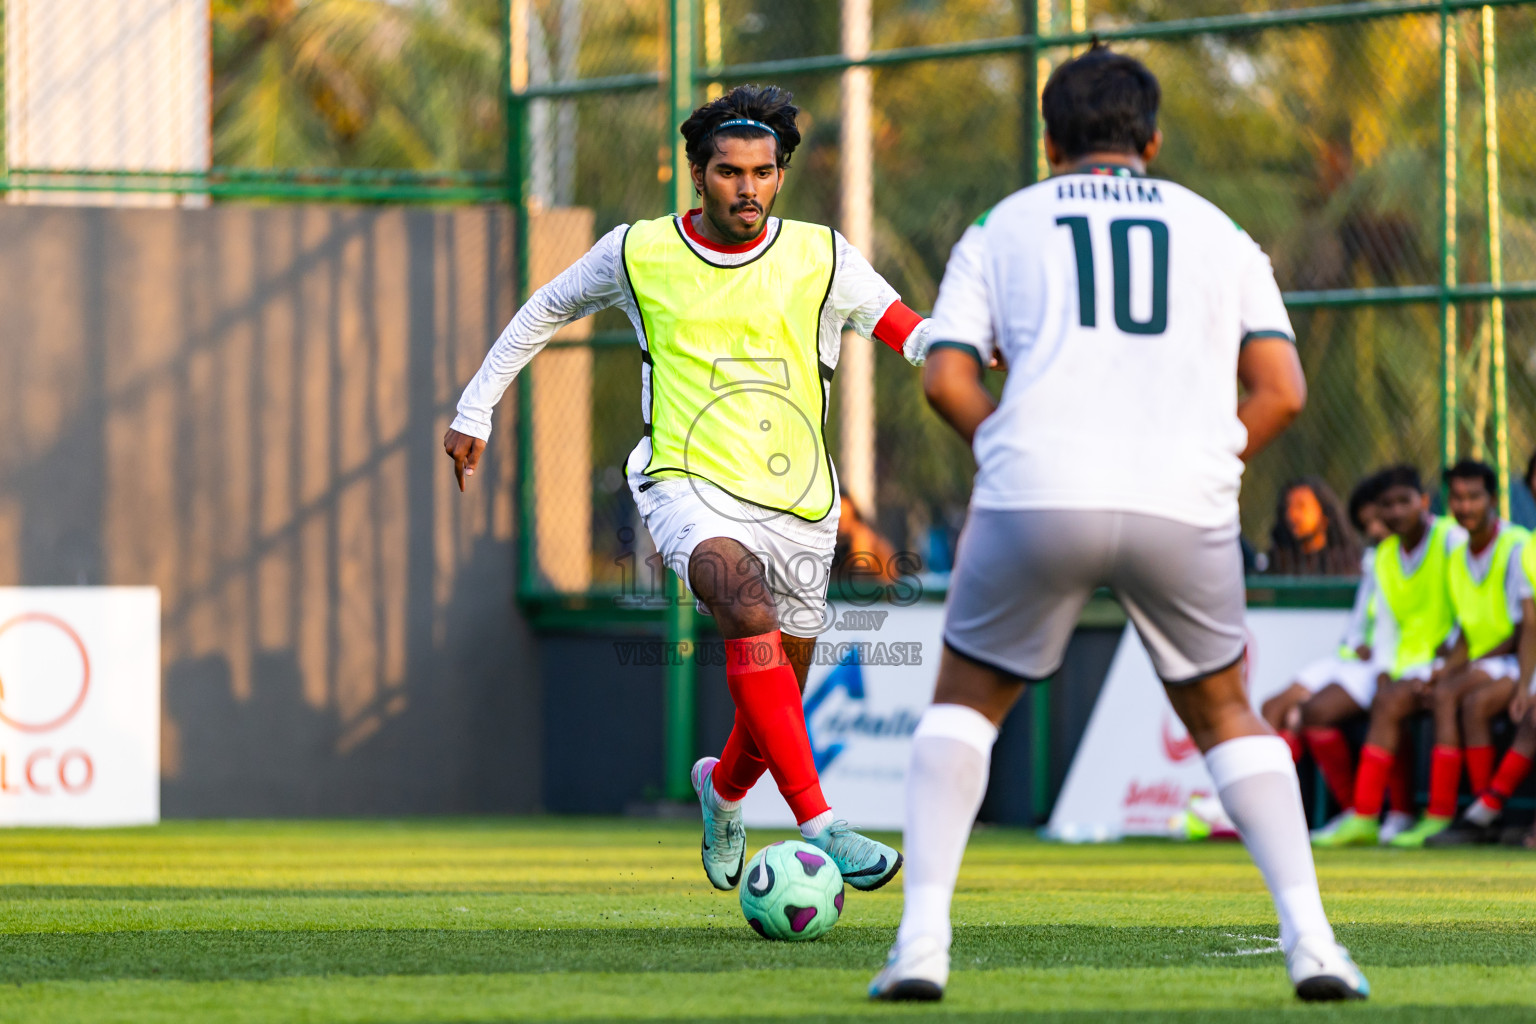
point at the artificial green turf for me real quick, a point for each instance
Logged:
(542, 919)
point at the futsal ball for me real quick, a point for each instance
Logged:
(792, 891)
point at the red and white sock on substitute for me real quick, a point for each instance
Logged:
(1512, 771)
(1256, 781)
(1444, 781)
(951, 758)
(762, 683)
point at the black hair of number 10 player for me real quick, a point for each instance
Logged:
(1101, 103)
(738, 169)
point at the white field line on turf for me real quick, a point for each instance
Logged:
(1271, 945)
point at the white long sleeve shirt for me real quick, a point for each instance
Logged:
(1362, 616)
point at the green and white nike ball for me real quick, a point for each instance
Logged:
(791, 891)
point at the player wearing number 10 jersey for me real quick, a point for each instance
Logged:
(1124, 306)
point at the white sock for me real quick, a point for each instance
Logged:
(812, 827)
(1481, 814)
(1256, 781)
(714, 797)
(951, 756)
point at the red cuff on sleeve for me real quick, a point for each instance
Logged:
(896, 325)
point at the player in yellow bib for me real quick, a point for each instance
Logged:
(1333, 690)
(1491, 600)
(1509, 689)
(739, 315)
(1414, 607)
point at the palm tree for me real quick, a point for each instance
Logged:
(357, 83)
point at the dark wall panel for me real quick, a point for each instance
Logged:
(243, 406)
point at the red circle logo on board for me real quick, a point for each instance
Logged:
(45, 672)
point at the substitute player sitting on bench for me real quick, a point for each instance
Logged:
(1414, 606)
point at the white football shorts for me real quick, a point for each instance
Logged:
(1355, 677)
(796, 555)
(1022, 577)
(1499, 666)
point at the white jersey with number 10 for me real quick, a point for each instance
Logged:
(1120, 303)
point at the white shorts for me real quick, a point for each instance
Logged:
(797, 555)
(1022, 577)
(1355, 677)
(1500, 666)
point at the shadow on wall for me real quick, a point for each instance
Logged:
(244, 406)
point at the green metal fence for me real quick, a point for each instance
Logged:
(318, 100)
(1379, 152)
(1359, 143)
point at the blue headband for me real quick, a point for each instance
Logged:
(745, 122)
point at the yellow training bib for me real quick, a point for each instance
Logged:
(738, 392)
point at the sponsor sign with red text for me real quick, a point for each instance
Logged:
(1136, 766)
(79, 705)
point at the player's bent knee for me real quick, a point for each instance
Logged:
(1445, 702)
(1480, 704)
(1329, 706)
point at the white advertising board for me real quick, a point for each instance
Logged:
(873, 678)
(79, 705)
(1136, 766)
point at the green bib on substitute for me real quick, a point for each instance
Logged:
(738, 391)
(1483, 608)
(1420, 603)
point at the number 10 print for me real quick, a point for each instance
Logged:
(1120, 249)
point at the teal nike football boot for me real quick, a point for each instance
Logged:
(865, 864)
(724, 849)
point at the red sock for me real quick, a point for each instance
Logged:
(1444, 780)
(1512, 772)
(741, 764)
(1400, 784)
(767, 699)
(1371, 780)
(1331, 752)
(1293, 740)
(1479, 768)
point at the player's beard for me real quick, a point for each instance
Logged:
(733, 229)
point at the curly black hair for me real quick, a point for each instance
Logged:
(768, 104)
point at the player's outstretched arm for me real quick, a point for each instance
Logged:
(588, 285)
(1271, 374)
(869, 305)
(952, 384)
